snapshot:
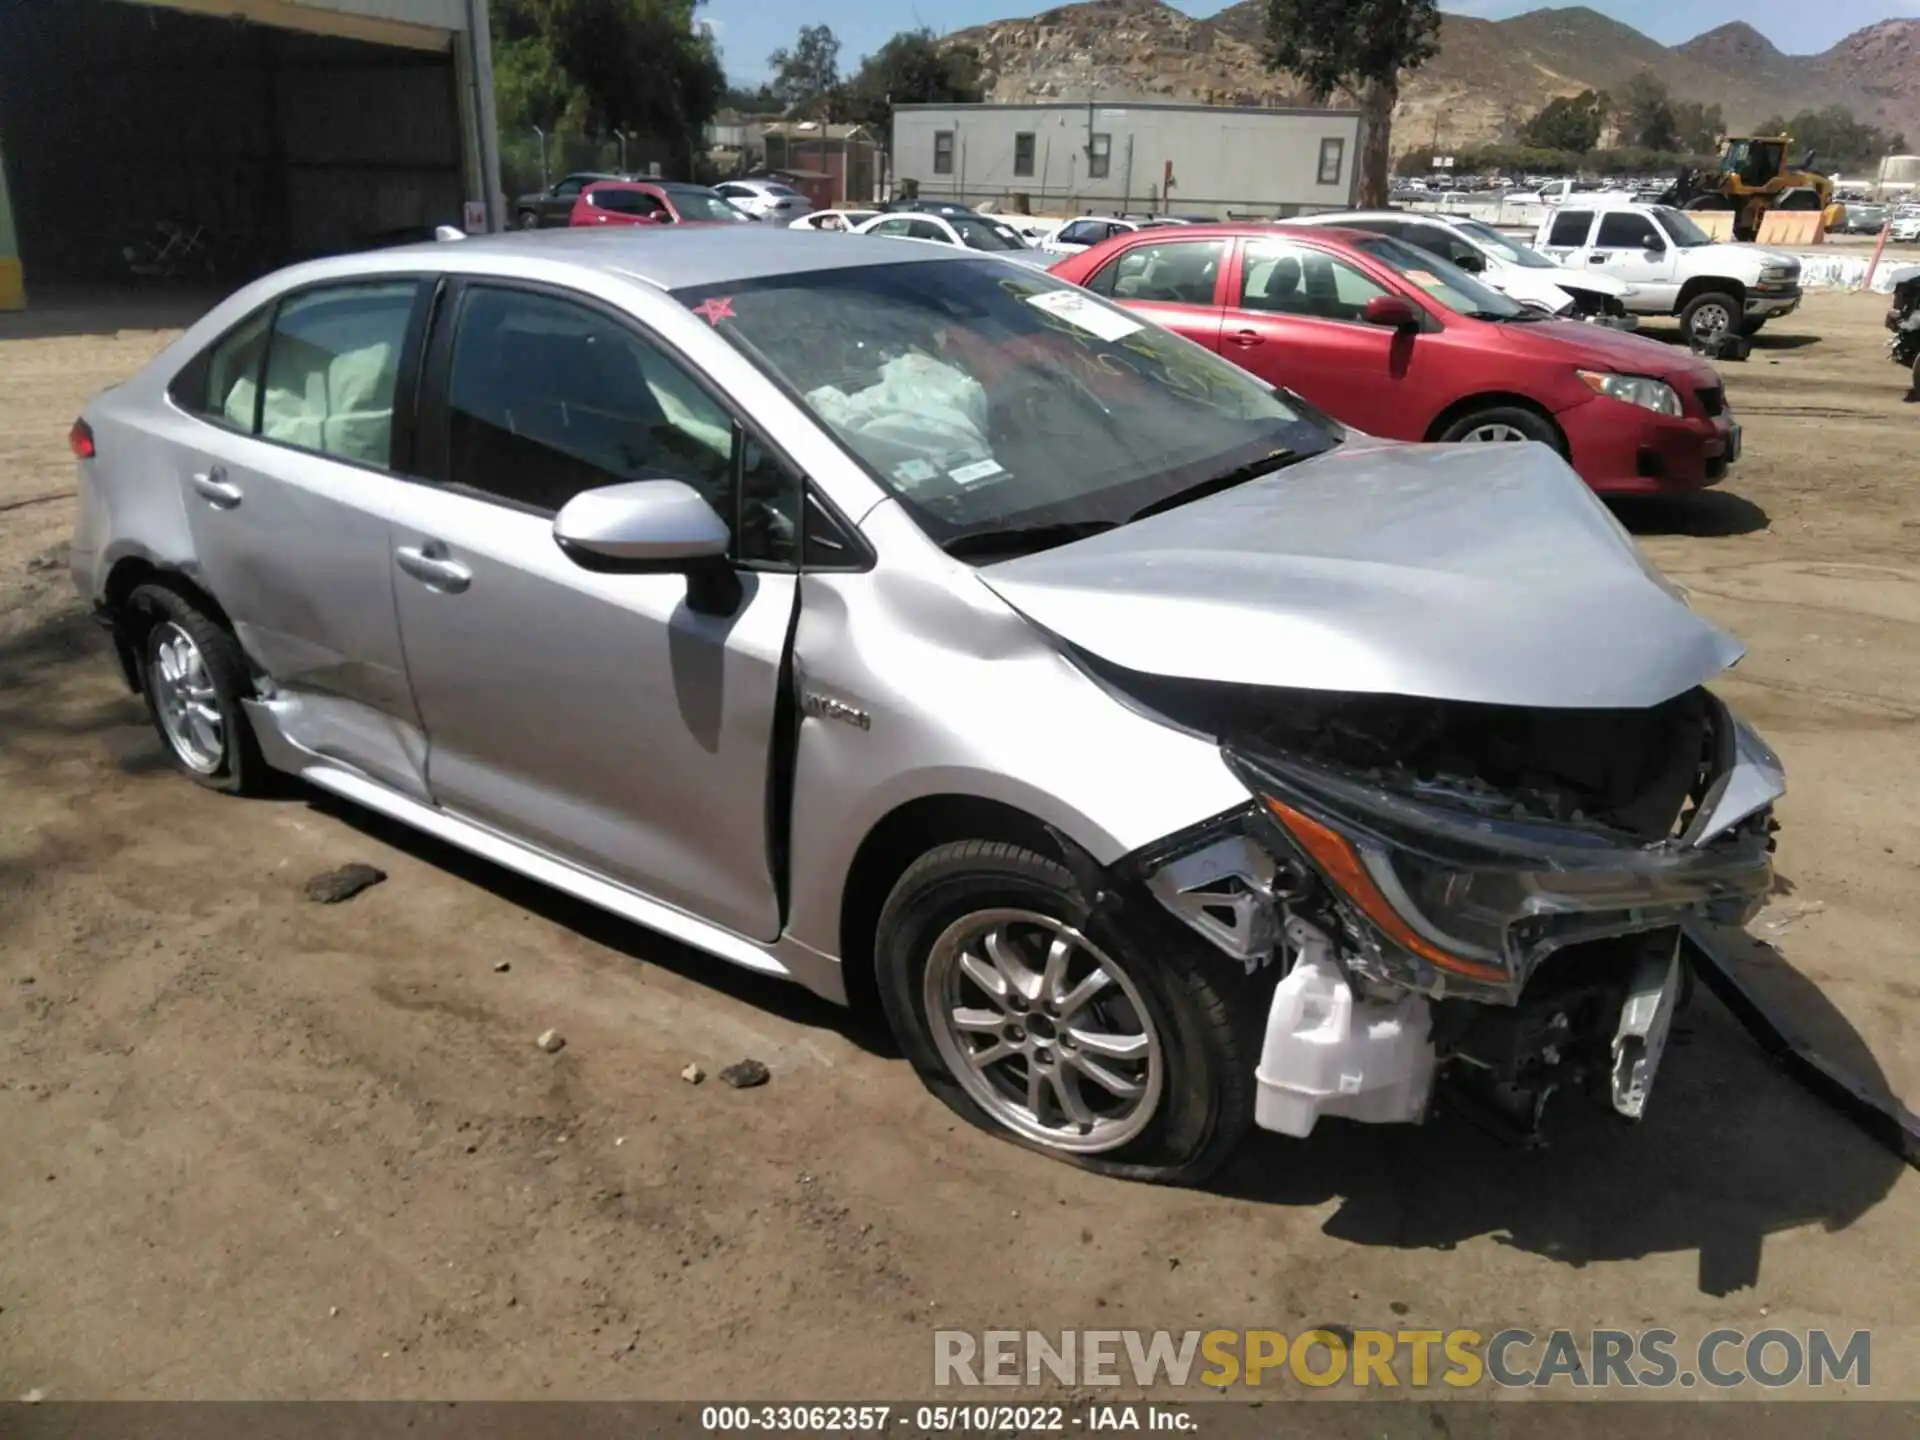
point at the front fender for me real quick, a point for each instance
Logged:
(913, 687)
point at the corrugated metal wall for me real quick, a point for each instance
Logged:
(277, 144)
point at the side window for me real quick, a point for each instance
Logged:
(1174, 272)
(1624, 230)
(1435, 241)
(1083, 232)
(222, 383)
(927, 230)
(547, 398)
(1286, 279)
(569, 187)
(1570, 228)
(894, 227)
(332, 369)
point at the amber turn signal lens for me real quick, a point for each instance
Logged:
(1336, 857)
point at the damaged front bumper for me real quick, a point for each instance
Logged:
(1421, 936)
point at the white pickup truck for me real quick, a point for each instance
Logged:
(1674, 267)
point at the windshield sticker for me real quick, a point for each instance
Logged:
(713, 311)
(914, 472)
(1084, 314)
(979, 470)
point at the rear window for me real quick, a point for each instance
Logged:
(222, 382)
(1570, 228)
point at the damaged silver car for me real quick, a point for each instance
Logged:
(1161, 759)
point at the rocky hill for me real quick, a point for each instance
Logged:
(1488, 78)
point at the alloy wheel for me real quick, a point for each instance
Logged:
(1044, 1031)
(1491, 434)
(1712, 319)
(185, 700)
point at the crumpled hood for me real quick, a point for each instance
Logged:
(1485, 573)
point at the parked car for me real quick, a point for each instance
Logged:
(1403, 344)
(970, 232)
(653, 202)
(1086, 232)
(1905, 224)
(1036, 230)
(1864, 219)
(766, 199)
(1161, 762)
(918, 206)
(832, 220)
(1515, 270)
(553, 207)
(1674, 267)
(1316, 738)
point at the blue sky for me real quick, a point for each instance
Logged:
(750, 29)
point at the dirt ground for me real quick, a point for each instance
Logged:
(252, 1146)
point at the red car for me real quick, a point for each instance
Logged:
(651, 202)
(1403, 345)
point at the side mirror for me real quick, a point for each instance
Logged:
(1654, 244)
(1392, 311)
(652, 527)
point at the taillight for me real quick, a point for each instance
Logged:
(81, 439)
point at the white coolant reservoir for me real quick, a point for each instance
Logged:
(1328, 1053)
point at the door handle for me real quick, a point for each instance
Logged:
(1245, 339)
(213, 486)
(1596, 259)
(431, 566)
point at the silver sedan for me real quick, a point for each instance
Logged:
(1161, 759)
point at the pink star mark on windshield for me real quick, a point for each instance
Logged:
(715, 310)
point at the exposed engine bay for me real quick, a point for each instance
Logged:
(1485, 899)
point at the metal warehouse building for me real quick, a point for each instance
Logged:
(273, 129)
(1172, 159)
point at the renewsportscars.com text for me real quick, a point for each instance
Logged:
(1511, 1359)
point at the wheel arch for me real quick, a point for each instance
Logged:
(1700, 285)
(894, 843)
(1490, 400)
(127, 575)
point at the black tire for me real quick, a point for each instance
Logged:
(1209, 1030)
(1512, 417)
(155, 610)
(1708, 303)
(529, 220)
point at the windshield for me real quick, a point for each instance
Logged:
(979, 235)
(990, 399)
(705, 206)
(1442, 280)
(1505, 246)
(1683, 231)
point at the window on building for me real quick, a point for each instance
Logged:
(1023, 153)
(1333, 154)
(1099, 156)
(943, 152)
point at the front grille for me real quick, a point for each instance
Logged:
(1713, 400)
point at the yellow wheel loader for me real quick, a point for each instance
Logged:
(1754, 178)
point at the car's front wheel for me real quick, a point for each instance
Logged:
(1496, 424)
(1111, 1044)
(195, 677)
(529, 220)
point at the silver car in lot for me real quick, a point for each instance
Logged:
(1160, 758)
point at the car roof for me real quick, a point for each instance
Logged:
(1257, 229)
(670, 258)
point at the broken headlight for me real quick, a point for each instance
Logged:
(1446, 898)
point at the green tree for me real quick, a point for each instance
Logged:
(1570, 122)
(1698, 127)
(913, 68)
(642, 66)
(1361, 47)
(1647, 114)
(806, 79)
